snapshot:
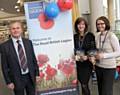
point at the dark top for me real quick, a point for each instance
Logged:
(87, 44)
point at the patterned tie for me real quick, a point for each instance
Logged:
(23, 61)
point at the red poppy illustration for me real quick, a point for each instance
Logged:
(50, 72)
(63, 75)
(41, 74)
(67, 67)
(42, 59)
(74, 82)
(45, 23)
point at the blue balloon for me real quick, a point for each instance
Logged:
(116, 74)
(52, 10)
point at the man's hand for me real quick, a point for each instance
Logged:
(37, 78)
(11, 86)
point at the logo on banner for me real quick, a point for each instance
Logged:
(34, 9)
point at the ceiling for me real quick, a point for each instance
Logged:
(8, 12)
(8, 5)
(7, 8)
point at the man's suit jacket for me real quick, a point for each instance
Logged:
(10, 64)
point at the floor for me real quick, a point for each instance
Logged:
(94, 90)
(93, 87)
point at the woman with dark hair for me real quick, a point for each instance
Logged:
(84, 42)
(108, 45)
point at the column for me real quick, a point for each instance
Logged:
(117, 9)
(96, 7)
(117, 22)
(111, 13)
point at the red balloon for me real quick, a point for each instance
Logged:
(65, 5)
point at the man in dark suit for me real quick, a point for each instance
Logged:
(19, 64)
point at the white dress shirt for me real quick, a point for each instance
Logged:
(16, 49)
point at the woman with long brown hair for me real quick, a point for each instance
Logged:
(84, 42)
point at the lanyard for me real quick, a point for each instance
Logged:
(80, 42)
(101, 45)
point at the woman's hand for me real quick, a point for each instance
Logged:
(84, 58)
(80, 58)
(92, 59)
(99, 56)
(77, 58)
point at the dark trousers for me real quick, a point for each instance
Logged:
(84, 71)
(28, 86)
(105, 79)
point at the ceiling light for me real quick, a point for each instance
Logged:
(18, 10)
(16, 7)
(2, 9)
(18, 1)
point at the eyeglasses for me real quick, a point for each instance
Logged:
(100, 23)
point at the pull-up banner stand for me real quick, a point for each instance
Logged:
(54, 49)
